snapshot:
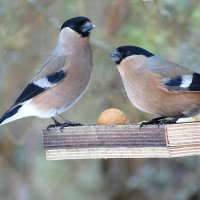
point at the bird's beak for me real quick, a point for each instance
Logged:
(87, 27)
(116, 56)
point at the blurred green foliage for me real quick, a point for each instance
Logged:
(28, 32)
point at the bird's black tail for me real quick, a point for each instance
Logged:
(1, 119)
(12, 111)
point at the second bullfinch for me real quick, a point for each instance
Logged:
(63, 78)
(158, 86)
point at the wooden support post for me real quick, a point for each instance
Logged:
(122, 141)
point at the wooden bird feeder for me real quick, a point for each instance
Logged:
(122, 141)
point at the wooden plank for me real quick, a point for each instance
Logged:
(183, 139)
(122, 141)
(104, 136)
(95, 153)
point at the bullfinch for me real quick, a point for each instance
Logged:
(62, 79)
(158, 86)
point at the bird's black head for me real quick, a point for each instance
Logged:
(125, 51)
(81, 25)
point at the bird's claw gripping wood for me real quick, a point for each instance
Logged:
(63, 125)
(159, 121)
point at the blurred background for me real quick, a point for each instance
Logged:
(28, 32)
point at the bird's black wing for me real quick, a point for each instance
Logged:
(41, 85)
(173, 76)
(183, 83)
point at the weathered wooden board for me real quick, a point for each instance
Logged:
(122, 141)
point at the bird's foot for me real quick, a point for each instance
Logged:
(168, 121)
(57, 124)
(68, 123)
(159, 121)
(152, 121)
(63, 125)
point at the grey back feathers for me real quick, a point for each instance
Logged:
(174, 76)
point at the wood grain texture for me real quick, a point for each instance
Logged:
(122, 141)
(183, 139)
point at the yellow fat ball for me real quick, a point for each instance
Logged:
(112, 116)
